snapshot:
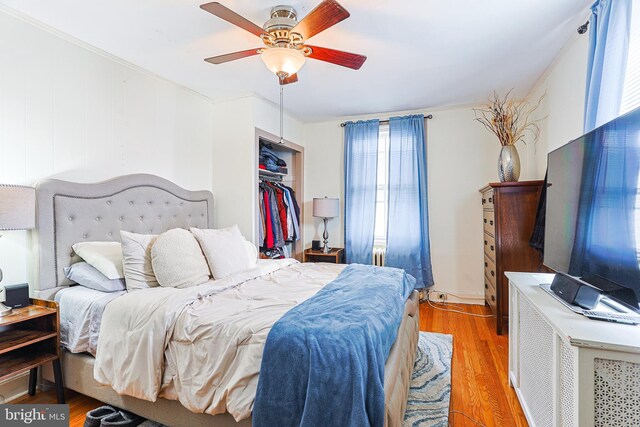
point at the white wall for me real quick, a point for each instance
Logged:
(235, 169)
(70, 112)
(562, 109)
(461, 158)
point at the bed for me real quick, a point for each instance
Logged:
(68, 213)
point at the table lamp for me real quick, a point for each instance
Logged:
(17, 212)
(326, 208)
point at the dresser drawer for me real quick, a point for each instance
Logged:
(489, 222)
(490, 246)
(490, 270)
(487, 199)
(490, 294)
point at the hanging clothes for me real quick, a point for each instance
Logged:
(294, 212)
(261, 230)
(269, 240)
(279, 217)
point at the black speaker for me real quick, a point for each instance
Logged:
(17, 296)
(575, 292)
(315, 245)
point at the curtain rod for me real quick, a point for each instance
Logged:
(386, 122)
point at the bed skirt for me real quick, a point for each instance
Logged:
(78, 376)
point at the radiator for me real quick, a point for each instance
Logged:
(378, 256)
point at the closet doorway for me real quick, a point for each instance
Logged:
(288, 174)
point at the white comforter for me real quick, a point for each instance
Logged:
(202, 345)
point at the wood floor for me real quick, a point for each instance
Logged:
(479, 384)
(479, 373)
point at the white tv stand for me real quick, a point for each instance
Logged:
(568, 370)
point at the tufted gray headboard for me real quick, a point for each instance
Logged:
(69, 212)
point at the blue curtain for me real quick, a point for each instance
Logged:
(408, 220)
(361, 163)
(610, 25)
(605, 239)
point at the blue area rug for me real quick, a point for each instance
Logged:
(430, 392)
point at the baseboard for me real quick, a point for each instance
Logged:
(14, 388)
(458, 297)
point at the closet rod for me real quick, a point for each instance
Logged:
(271, 179)
(386, 122)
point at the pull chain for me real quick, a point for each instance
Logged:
(281, 110)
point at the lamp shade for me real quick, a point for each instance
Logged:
(283, 60)
(326, 207)
(17, 207)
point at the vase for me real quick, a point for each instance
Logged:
(509, 164)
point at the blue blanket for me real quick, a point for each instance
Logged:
(323, 362)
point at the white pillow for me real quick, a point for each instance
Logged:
(84, 274)
(178, 261)
(226, 251)
(136, 260)
(106, 257)
(252, 251)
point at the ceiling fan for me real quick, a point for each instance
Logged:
(285, 38)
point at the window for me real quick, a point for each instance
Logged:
(631, 96)
(631, 91)
(382, 196)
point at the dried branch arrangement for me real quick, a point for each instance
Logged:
(509, 120)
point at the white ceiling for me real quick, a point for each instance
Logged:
(421, 53)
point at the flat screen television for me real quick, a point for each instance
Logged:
(592, 226)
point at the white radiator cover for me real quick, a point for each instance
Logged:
(568, 370)
(536, 373)
(617, 393)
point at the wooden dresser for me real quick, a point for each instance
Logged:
(509, 212)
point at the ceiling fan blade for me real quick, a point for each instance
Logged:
(325, 15)
(291, 79)
(338, 57)
(229, 15)
(220, 59)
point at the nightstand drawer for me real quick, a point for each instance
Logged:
(336, 256)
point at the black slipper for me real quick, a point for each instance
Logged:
(95, 416)
(121, 419)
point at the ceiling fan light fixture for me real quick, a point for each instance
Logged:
(283, 61)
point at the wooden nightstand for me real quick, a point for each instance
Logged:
(29, 338)
(335, 256)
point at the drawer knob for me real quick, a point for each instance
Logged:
(486, 264)
(485, 220)
(493, 274)
(485, 243)
(490, 199)
(493, 298)
(491, 247)
(491, 222)
(486, 286)
(484, 201)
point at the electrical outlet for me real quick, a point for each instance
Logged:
(442, 297)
